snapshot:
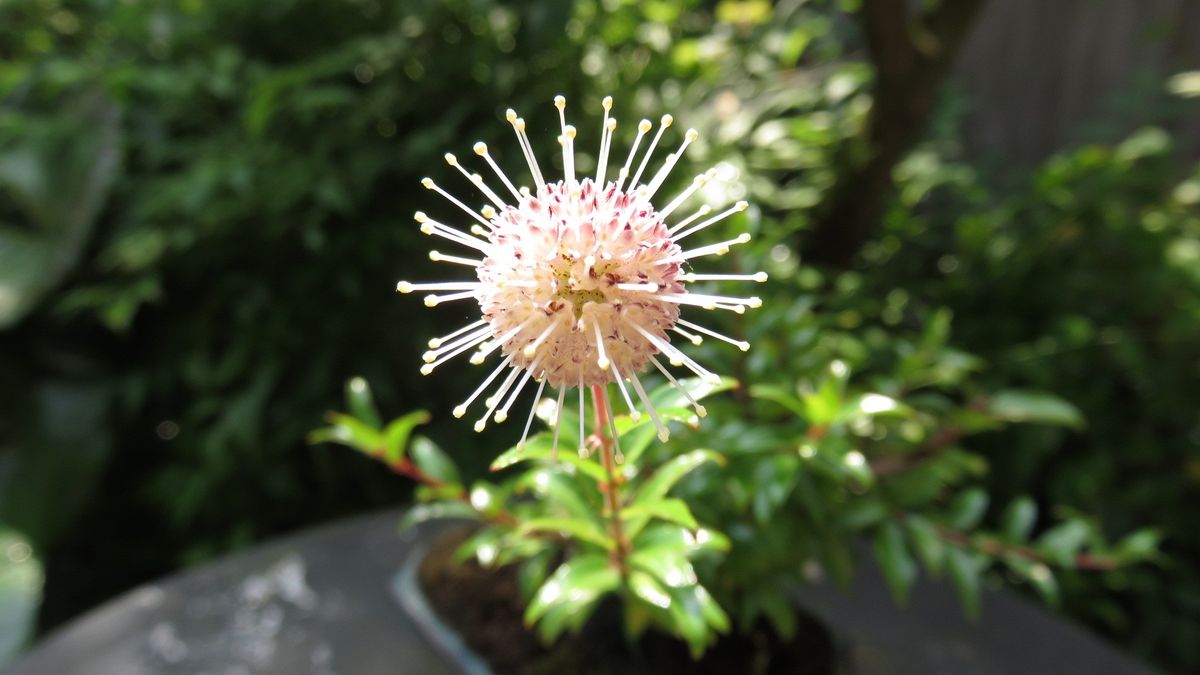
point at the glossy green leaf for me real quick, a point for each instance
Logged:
(1063, 542)
(420, 513)
(671, 510)
(928, 544)
(1140, 545)
(575, 584)
(1019, 518)
(581, 529)
(349, 431)
(669, 566)
(397, 433)
(666, 476)
(539, 447)
(1036, 407)
(967, 509)
(966, 570)
(432, 461)
(360, 403)
(780, 396)
(898, 566)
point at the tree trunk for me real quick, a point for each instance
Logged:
(911, 60)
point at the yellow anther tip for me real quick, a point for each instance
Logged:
(480, 148)
(701, 411)
(431, 301)
(742, 206)
(479, 426)
(667, 120)
(420, 217)
(644, 126)
(451, 159)
(603, 363)
(664, 435)
(744, 346)
(510, 115)
(429, 357)
(760, 277)
(607, 103)
(434, 343)
(459, 411)
(404, 287)
(435, 256)
(427, 228)
(755, 301)
(528, 352)
(692, 134)
(635, 416)
(427, 182)
(743, 237)
(560, 101)
(426, 369)
(500, 417)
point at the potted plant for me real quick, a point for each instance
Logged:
(650, 530)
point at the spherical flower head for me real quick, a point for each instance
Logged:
(580, 282)
(578, 270)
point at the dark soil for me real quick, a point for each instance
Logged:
(485, 607)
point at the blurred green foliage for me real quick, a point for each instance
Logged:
(204, 206)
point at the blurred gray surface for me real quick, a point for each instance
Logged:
(320, 602)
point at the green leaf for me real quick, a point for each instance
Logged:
(1036, 574)
(675, 538)
(863, 512)
(669, 566)
(1140, 545)
(690, 620)
(928, 543)
(349, 431)
(360, 402)
(662, 480)
(781, 396)
(1063, 542)
(1019, 518)
(1036, 407)
(432, 461)
(420, 513)
(395, 436)
(532, 572)
(576, 583)
(899, 567)
(671, 510)
(668, 396)
(559, 489)
(965, 573)
(583, 530)
(967, 509)
(20, 592)
(539, 447)
(647, 589)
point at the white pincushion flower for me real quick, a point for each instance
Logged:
(580, 281)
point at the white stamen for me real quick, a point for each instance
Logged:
(582, 440)
(435, 300)
(719, 248)
(648, 287)
(438, 341)
(601, 356)
(476, 180)
(736, 208)
(694, 339)
(740, 344)
(697, 183)
(407, 287)
(663, 433)
(674, 354)
(531, 348)
(662, 174)
(474, 337)
(709, 301)
(562, 393)
(607, 127)
(643, 128)
(701, 411)
(486, 350)
(430, 226)
(438, 256)
(453, 352)
(430, 185)
(532, 409)
(518, 125)
(760, 277)
(502, 413)
(481, 150)
(461, 409)
(492, 402)
(633, 412)
(663, 124)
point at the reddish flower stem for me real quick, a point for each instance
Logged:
(611, 488)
